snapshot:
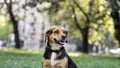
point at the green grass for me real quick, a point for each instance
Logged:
(14, 58)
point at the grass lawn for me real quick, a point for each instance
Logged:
(13, 58)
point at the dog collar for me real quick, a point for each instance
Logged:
(51, 50)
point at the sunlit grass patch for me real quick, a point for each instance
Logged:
(13, 50)
(77, 54)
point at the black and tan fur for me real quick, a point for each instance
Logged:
(55, 55)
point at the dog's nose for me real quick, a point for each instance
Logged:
(63, 37)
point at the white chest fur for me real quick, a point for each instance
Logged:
(52, 59)
(54, 55)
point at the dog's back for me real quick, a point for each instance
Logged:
(71, 64)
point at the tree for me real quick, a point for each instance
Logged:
(115, 14)
(14, 22)
(85, 30)
(92, 16)
(24, 13)
(85, 19)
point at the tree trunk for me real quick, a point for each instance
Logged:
(17, 40)
(116, 19)
(85, 40)
(84, 30)
(15, 25)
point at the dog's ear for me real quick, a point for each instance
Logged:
(47, 34)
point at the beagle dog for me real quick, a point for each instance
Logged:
(55, 55)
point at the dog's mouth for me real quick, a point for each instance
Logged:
(61, 42)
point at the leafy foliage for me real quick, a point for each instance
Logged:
(60, 13)
(3, 27)
(100, 19)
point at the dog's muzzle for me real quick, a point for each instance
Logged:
(61, 41)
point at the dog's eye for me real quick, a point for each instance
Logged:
(65, 32)
(56, 32)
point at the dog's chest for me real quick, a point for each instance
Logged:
(53, 59)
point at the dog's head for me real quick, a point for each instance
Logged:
(56, 35)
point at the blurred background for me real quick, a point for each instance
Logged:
(93, 25)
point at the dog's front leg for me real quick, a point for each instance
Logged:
(46, 64)
(60, 66)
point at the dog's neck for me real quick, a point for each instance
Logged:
(60, 52)
(55, 46)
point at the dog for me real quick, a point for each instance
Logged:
(55, 55)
